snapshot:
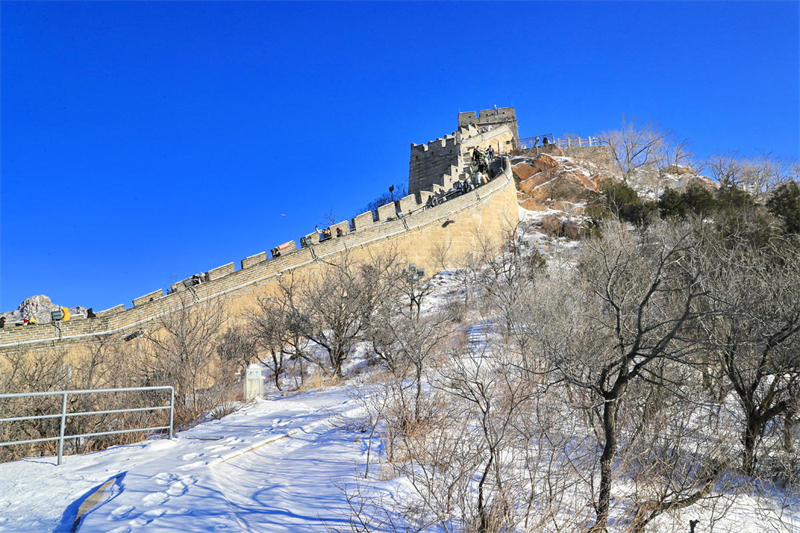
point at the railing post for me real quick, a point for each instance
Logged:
(63, 426)
(171, 410)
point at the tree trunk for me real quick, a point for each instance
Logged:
(418, 398)
(278, 367)
(606, 464)
(788, 426)
(484, 517)
(749, 438)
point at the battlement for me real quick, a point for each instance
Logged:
(449, 142)
(492, 117)
(488, 116)
(440, 163)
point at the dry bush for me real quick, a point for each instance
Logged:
(100, 364)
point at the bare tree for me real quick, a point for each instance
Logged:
(272, 328)
(407, 340)
(237, 348)
(631, 309)
(340, 303)
(183, 353)
(636, 145)
(754, 332)
(758, 175)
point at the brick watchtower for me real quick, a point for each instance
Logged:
(492, 117)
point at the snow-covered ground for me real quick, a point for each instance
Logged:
(271, 467)
(277, 465)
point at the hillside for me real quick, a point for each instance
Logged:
(328, 458)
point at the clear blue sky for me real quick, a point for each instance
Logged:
(145, 142)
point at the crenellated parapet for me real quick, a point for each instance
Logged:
(438, 164)
(492, 117)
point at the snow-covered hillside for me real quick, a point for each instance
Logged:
(302, 461)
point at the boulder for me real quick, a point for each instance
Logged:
(534, 182)
(39, 307)
(570, 185)
(560, 205)
(572, 230)
(552, 226)
(532, 205)
(680, 170)
(523, 171)
(545, 162)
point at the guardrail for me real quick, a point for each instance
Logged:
(64, 414)
(569, 142)
(536, 142)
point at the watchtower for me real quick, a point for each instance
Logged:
(492, 117)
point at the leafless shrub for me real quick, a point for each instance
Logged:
(182, 351)
(636, 145)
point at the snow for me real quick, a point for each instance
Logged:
(272, 466)
(279, 465)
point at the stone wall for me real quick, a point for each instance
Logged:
(433, 238)
(598, 152)
(440, 163)
(492, 117)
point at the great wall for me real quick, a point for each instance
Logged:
(432, 237)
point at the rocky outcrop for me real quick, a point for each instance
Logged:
(545, 180)
(39, 308)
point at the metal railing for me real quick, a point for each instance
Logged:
(569, 142)
(536, 142)
(63, 415)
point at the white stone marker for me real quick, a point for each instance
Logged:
(253, 383)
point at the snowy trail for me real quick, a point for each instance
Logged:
(270, 467)
(288, 486)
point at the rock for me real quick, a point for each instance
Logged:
(523, 171)
(572, 230)
(545, 162)
(679, 170)
(532, 205)
(559, 205)
(552, 226)
(570, 185)
(534, 182)
(39, 307)
(703, 181)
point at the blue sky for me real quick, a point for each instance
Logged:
(144, 142)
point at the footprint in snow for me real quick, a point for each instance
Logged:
(147, 517)
(157, 498)
(164, 478)
(190, 456)
(178, 488)
(121, 512)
